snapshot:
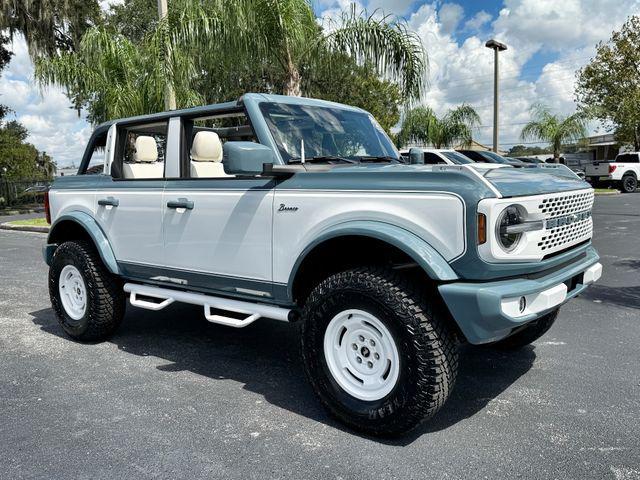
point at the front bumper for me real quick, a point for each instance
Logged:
(489, 311)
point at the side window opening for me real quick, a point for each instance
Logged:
(205, 138)
(432, 159)
(141, 151)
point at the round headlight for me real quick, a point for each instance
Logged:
(507, 238)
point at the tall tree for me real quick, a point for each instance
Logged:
(49, 26)
(609, 86)
(554, 129)
(422, 125)
(210, 48)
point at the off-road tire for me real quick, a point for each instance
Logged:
(106, 300)
(629, 184)
(427, 349)
(528, 334)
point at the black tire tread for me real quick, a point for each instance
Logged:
(106, 299)
(435, 345)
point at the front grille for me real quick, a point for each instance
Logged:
(573, 223)
(561, 236)
(559, 205)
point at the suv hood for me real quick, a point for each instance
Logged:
(519, 182)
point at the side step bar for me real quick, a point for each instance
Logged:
(156, 298)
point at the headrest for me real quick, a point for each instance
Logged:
(146, 149)
(206, 147)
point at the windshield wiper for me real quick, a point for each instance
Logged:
(377, 158)
(322, 158)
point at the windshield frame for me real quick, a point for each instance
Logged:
(386, 147)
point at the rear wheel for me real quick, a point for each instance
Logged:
(528, 334)
(88, 300)
(377, 353)
(629, 183)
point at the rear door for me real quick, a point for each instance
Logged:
(129, 198)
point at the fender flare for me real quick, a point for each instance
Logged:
(420, 251)
(89, 225)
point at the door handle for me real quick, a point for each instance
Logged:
(180, 203)
(109, 201)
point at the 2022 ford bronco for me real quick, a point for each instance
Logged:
(300, 210)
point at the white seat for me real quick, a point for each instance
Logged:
(206, 156)
(145, 160)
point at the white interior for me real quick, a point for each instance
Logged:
(145, 164)
(206, 156)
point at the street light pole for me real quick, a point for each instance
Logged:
(169, 94)
(496, 47)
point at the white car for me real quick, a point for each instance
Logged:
(623, 172)
(301, 210)
(443, 156)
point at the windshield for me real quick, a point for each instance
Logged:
(457, 158)
(494, 157)
(327, 132)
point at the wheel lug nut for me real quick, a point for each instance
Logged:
(376, 356)
(372, 343)
(361, 338)
(358, 359)
(354, 346)
(369, 364)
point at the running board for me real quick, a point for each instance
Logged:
(156, 298)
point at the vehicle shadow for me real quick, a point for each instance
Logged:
(622, 296)
(264, 357)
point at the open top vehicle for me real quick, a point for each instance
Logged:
(301, 210)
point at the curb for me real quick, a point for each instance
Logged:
(24, 228)
(6, 213)
(604, 194)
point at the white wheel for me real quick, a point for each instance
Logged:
(73, 292)
(361, 355)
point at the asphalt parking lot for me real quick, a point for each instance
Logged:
(171, 396)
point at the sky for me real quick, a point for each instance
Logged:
(548, 40)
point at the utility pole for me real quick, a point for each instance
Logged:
(496, 47)
(169, 94)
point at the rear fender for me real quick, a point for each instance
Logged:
(91, 227)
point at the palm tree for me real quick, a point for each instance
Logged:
(205, 49)
(555, 129)
(421, 125)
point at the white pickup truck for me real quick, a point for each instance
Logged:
(623, 172)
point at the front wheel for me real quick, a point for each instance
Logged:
(87, 299)
(629, 183)
(377, 353)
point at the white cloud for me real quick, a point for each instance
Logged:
(53, 125)
(479, 20)
(450, 15)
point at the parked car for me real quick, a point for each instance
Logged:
(623, 172)
(300, 210)
(439, 156)
(491, 157)
(533, 160)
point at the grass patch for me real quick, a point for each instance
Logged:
(606, 190)
(31, 222)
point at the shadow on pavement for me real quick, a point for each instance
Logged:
(622, 296)
(264, 357)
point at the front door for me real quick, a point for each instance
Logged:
(218, 234)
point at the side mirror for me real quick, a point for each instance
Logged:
(416, 156)
(246, 158)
